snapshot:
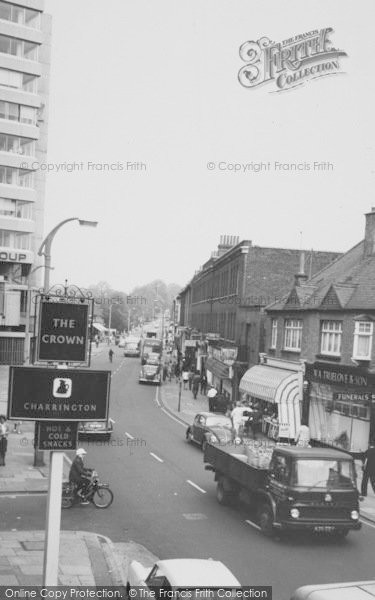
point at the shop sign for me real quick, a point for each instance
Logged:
(63, 332)
(38, 394)
(57, 435)
(339, 375)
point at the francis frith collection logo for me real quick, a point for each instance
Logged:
(289, 63)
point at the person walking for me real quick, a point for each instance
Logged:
(368, 468)
(165, 371)
(211, 395)
(185, 377)
(191, 375)
(110, 354)
(195, 384)
(4, 430)
(203, 384)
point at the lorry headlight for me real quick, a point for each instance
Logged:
(294, 513)
(354, 515)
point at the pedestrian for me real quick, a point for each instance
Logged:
(212, 393)
(303, 437)
(195, 384)
(203, 384)
(368, 468)
(4, 430)
(191, 375)
(110, 354)
(165, 371)
(237, 417)
(185, 377)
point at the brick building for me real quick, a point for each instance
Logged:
(222, 307)
(328, 321)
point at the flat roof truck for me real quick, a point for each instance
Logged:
(291, 488)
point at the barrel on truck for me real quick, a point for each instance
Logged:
(299, 489)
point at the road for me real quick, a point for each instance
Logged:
(165, 500)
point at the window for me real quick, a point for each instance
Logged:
(20, 15)
(14, 239)
(330, 337)
(14, 176)
(293, 334)
(4, 238)
(363, 340)
(10, 45)
(273, 333)
(28, 115)
(12, 143)
(16, 208)
(17, 112)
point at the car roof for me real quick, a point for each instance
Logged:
(196, 572)
(360, 590)
(301, 452)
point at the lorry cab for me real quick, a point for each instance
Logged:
(313, 488)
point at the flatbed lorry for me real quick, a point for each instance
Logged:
(300, 489)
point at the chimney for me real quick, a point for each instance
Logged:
(226, 243)
(301, 276)
(369, 245)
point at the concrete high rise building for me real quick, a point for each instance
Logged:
(25, 38)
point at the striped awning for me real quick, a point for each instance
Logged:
(268, 383)
(99, 327)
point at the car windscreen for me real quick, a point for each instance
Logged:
(324, 473)
(218, 422)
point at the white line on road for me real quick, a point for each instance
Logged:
(196, 486)
(253, 524)
(157, 396)
(367, 523)
(156, 457)
(174, 418)
(129, 436)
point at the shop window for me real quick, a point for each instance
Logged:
(363, 340)
(293, 334)
(330, 337)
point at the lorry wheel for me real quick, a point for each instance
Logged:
(223, 496)
(265, 518)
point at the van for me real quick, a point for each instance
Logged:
(357, 590)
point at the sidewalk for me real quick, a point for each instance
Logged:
(189, 407)
(85, 559)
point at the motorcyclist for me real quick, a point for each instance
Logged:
(80, 475)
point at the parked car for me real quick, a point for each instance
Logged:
(357, 590)
(210, 427)
(121, 343)
(179, 573)
(150, 374)
(101, 429)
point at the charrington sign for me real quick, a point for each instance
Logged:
(37, 394)
(291, 62)
(63, 332)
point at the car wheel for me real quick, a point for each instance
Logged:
(189, 436)
(204, 445)
(265, 518)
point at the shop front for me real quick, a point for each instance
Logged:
(219, 369)
(341, 405)
(277, 394)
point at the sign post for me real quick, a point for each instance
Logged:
(53, 520)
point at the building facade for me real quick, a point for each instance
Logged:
(25, 37)
(328, 322)
(225, 300)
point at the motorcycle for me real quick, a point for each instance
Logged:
(97, 493)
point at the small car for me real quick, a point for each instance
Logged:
(210, 427)
(150, 374)
(179, 573)
(101, 429)
(357, 590)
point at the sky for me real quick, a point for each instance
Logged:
(154, 83)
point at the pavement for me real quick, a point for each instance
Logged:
(187, 407)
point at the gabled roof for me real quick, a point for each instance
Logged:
(346, 283)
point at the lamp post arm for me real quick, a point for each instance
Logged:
(46, 244)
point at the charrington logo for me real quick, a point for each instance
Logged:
(289, 63)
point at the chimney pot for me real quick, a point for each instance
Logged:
(369, 242)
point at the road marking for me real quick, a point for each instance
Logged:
(156, 457)
(174, 418)
(367, 523)
(129, 436)
(67, 459)
(195, 486)
(157, 397)
(194, 516)
(252, 524)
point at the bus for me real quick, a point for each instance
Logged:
(151, 345)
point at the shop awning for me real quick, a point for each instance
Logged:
(99, 327)
(217, 368)
(268, 383)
